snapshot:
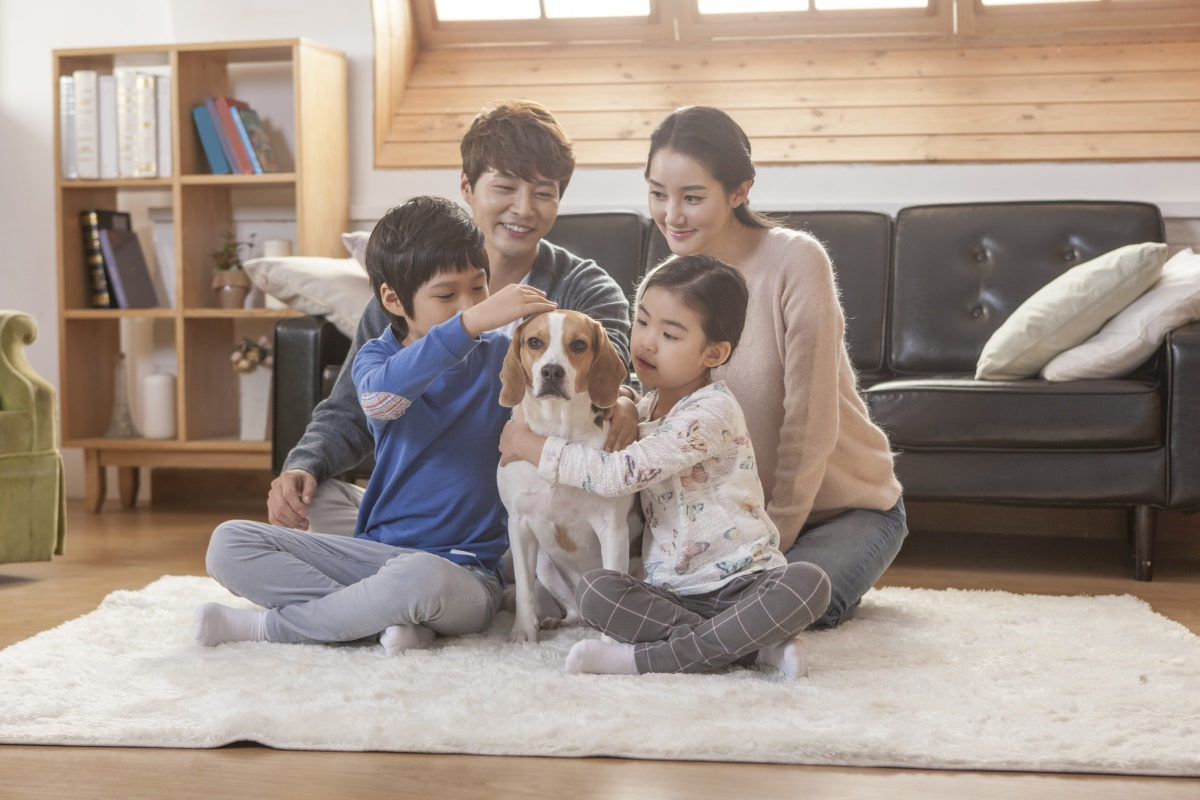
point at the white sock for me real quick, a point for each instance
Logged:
(214, 624)
(787, 657)
(601, 658)
(398, 638)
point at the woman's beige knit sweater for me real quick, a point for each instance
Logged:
(817, 450)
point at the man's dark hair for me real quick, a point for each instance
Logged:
(417, 240)
(519, 137)
(707, 285)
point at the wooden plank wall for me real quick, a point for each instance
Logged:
(1128, 99)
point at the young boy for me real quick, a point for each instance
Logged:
(517, 161)
(430, 530)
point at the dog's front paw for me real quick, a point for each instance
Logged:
(521, 634)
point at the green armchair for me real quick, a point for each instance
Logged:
(32, 504)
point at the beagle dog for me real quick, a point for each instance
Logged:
(563, 372)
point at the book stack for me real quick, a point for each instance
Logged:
(233, 137)
(117, 274)
(115, 126)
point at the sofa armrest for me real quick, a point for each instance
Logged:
(1183, 370)
(304, 348)
(22, 389)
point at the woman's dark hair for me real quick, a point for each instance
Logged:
(707, 285)
(710, 136)
(417, 240)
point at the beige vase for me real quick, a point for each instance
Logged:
(231, 287)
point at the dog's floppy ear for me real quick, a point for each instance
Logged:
(513, 380)
(607, 372)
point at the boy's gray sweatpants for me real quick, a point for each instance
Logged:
(320, 588)
(701, 632)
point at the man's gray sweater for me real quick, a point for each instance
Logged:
(337, 438)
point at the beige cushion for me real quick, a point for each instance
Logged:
(335, 288)
(356, 245)
(1133, 335)
(1068, 310)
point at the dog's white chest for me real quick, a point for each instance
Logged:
(525, 494)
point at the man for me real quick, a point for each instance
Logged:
(517, 162)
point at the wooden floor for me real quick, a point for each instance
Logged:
(127, 550)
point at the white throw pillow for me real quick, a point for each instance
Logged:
(356, 245)
(1133, 335)
(335, 288)
(1068, 310)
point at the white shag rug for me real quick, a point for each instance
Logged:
(920, 678)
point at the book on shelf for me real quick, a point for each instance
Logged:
(127, 117)
(87, 125)
(146, 138)
(92, 221)
(162, 105)
(260, 143)
(224, 119)
(127, 271)
(210, 104)
(244, 138)
(209, 142)
(107, 108)
(66, 118)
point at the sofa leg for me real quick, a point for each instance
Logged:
(1143, 542)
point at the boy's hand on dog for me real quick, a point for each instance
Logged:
(507, 305)
(288, 500)
(623, 425)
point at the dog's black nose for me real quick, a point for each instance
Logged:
(553, 373)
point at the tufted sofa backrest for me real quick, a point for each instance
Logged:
(959, 271)
(615, 240)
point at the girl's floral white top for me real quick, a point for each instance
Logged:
(699, 488)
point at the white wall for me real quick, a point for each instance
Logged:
(30, 30)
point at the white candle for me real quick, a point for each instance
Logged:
(158, 406)
(277, 248)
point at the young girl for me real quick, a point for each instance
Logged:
(717, 590)
(826, 468)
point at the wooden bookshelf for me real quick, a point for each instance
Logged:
(202, 207)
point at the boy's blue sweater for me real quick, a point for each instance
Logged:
(434, 410)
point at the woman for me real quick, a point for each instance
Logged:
(825, 467)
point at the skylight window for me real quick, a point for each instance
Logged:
(484, 10)
(769, 6)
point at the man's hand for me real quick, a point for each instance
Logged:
(519, 443)
(623, 428)
(291, 493)
(507, 305)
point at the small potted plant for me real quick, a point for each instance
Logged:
(230, 281)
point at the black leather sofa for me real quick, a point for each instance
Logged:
(922, 294)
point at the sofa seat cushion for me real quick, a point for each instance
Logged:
(959, 412)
